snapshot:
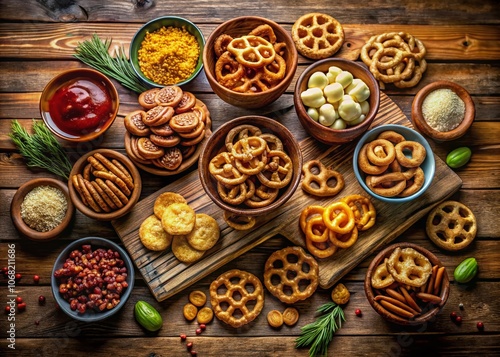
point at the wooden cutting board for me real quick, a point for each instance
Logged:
(166, 276)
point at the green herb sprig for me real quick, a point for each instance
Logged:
(95, 53)
(319, 334)
(41, 149)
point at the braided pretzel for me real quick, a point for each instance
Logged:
(286, 271)
(408, 266)
(363, 210)
(243, 298)
(321, 179)
(252, 51)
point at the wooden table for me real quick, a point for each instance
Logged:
(463, 43)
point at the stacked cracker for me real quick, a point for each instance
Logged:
(174, 223)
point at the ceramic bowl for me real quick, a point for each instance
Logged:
(91, 315)
(78, 168)
(79, 84)
(154, 25)
(326, 134)
(17, 200)
(428, 166)
(429, 310)
(422, 125)
(242, 26)
(215, 144)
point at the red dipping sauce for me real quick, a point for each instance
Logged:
(81, 106)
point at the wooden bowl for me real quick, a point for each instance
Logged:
(422, 125)
(67, 78)
(215, 144)
(428, 165)
(132, 199)
(429, 311)
(156, 24)
(17, 200)
(95, 243)
(317, 130)
(241, 26)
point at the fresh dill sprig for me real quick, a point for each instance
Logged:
(95, 53)
(319, 334)
(41, 149)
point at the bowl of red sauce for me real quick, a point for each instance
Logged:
(79, 104)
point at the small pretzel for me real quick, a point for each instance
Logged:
(363, 210)
(221, 167)
(291, 275)
(409, 267)
(240, 132)
(414, 183)
(417, 150)
(382, 157)
(247, 148)
(240, 223)
(318, 183)
(263, 197)
(344, 240)
(228, 71)
(254, 81)
(280, 173)
(366, 166)
(321, 250)
(265, 31)
(339, 217)
(253, 166)
(273, 142)
(220, 44)
(233, 195)
(397, 184)
(316, 231)
(392, 136)
(241, 299)
(381, 278)
(252, 51)
(309, 212)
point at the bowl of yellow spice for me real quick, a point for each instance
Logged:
(443, 110)
(167, 51)
(41, 209)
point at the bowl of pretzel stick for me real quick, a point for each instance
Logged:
(394, 163)
(250, 166)
(104, 184)
(249, 61)
(407, 284)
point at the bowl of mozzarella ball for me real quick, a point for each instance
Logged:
(336, 100)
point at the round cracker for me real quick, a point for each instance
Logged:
(164, 200)
(178, 219)
(205, 234)
(183, 250)
(152, 234)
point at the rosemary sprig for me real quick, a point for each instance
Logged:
(41, 149)
(95, 53)
(319, 334)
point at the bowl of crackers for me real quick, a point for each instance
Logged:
(394, 163)
(250, 166)
(336, 100)
(407, 284)
(165, 136)
(167, 51)
(104, 184)
(249, 61)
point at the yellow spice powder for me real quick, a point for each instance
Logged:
(168, 55)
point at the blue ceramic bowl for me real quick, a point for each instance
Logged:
(155, 24)
(428, 166)
(92, 315)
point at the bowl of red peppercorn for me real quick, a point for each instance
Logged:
(92, 279)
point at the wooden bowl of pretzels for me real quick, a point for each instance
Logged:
(249, 61)
(104, 184)
(250, 166)
(407, 284)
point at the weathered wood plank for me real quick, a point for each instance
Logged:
(58, 41)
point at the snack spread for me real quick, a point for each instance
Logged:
(237, 297)
(251, 63)
(291, 274)
(389, 172)
(169, 128)
(395, 57)
(253, 169)
(451, 225)
(317, 35)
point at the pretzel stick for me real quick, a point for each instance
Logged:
(410, 300)
(110, 193)
(115, 179)
(395, 302)
(395, 309)
(86, 172)
(103, 194)
(438, 281)
(86, 193)
(393, 293)
(430, 286)
(117, 191)
(96, 164)
(429, 297)
(122, 168)
(97, 198)
(112, 167)
(74, 178)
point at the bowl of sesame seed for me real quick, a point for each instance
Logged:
(167, 51)
(41, 209)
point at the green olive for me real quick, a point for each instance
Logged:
(458, 157)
